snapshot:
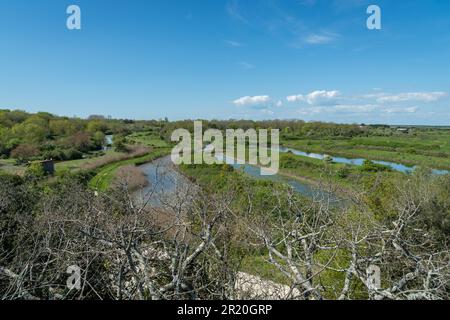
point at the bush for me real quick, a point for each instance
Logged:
(370, 166)
(72, 154)
(343, 173)
(119, 144)
(35, 171)
(57, 155)
(24, 152)
(130, 177)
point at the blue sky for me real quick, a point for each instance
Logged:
(255, 59)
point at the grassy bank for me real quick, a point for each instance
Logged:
(74, 165)
(106, 174)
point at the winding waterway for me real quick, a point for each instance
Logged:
(166, 182)
(359, 161)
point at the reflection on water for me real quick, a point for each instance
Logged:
(305, 189)
(108, 142)
(359, 161)
(165, 183)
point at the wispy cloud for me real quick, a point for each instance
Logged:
(233, 43)
(234, 10)
(268, 112)
(308, 3)
(246, 66)
(321, 38)
(355, 109)
(401, 110)
(411, 96)
(342, 5)
(273, 18)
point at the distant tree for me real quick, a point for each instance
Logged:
(24, 152)
(96, 117)
(45, 115)
(62, 127)
(16, 116)
(31, 132)
(99, 139)
(97, 125)
(72, 154)
(80, 141)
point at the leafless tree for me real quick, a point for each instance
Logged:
(185, 246)
(124, 251)
(309, 241)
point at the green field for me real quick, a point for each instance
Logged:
(148, 138)
(429, 148)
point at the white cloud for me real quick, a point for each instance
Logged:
(412, 96)
(318, 97)
(251, 100)
(321, 97)
(295, 98)
(279, 104)
(321, 38)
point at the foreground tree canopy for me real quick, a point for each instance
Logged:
(194, 246)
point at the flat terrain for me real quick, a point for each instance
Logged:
(425, 148)
(78, 164)
(148, 139)
(9, 166)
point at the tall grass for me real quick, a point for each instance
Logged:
(136, 151)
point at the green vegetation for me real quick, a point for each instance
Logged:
(74, 165)
(401, 221)
(27, 137)
(429, 148)
(258, 264)
(254, 201)
(106, 174)
(424, 146)
(149, 139)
